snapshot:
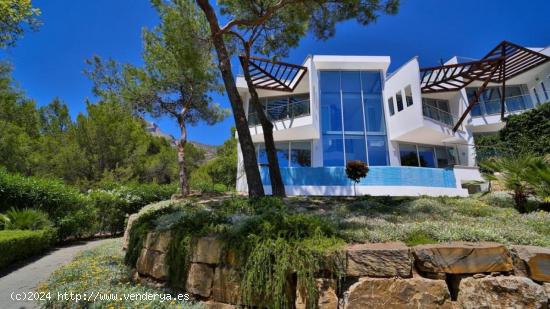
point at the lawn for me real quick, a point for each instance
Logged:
(101, 270)
(488, 217)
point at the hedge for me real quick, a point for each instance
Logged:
(16, 245)
(65, 205)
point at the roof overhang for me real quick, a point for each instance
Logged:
(504, 62)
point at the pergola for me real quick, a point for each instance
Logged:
(504, 62)
(274, 75)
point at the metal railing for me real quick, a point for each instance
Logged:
(511, 104)
(281, 112)
(437, 114)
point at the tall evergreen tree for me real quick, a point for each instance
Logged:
(272, 27)
(177, 77)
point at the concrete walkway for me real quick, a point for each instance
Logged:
(27, 277)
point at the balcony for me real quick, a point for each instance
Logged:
(511, 104)
(277, 112)
(438, 114)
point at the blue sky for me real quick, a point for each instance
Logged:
(50, 62)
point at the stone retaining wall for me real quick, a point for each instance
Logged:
(386, 275)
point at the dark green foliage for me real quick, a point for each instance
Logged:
(27, 219)
(16, 245)
(355, 170)
(274, 244)
(488, 146)
(64, 205)
(528, 132)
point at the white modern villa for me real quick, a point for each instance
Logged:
(415, 127)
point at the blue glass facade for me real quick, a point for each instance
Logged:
(378, 176)
(352, 118)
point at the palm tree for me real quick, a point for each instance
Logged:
(512, 173)
(539, 179)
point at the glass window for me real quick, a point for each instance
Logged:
(353, 112)
(282, 154)
(374, 115)
(544, 90)
(408, 96)
(390, 105)
(445, 157)
(262, 155)
(371, 82)
(514, 100)
(355, 148)
(299, 105)
(443, 105)
(300, 154)
(491, 98)
(351, 81)
(408, 155)
(333, 150)
(277, 108)
(331, 115)
(330, 81)
(377, 150)
(399, 101)
(426, 156)
(536, 95)
(476, 109)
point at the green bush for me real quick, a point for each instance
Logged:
(139, 195)
(27, 219)
(16, 245)
(112, 209)
(61, 202)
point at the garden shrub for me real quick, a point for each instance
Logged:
(27, 219)
(61, 202)
(16, 245)
(112, 209)
(139, 195)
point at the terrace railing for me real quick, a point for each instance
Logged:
(282, 112)
(438, 115)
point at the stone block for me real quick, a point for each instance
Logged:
(327, 295)
(379, 260)
(158, 241)
(199, 279)
(534, 261)
(462, 258)
(501, 292)
(397, 293)
(207, 250)
(226, 285)
(126, 238)
(152, 264)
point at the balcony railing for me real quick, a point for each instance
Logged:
(281, 112)
(437, 114)
(511, 104)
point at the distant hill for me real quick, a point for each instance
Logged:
(209, 150)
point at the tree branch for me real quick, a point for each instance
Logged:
(258, 21)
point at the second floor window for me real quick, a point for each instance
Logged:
(280, 108)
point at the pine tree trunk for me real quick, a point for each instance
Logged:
(277, 186)
(184, 184)
(255, 186)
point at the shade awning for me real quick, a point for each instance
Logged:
(274, 75)
(502, 63)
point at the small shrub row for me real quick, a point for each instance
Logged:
(73, 213)
(16, 245)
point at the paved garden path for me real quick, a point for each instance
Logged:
(27, 278)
